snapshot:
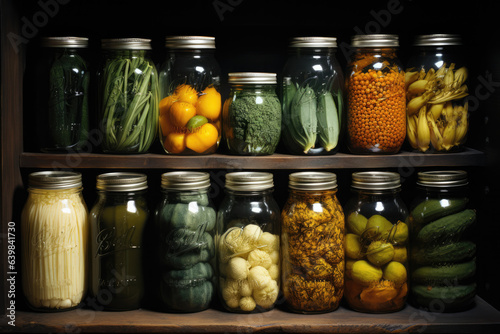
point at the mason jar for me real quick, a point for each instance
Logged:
(117, 222)
(376, 244)
(185, 219)
(312, 239)
(190, 99)
(252, 114)
(54, 241)
(128, 96)
(437, 90)
(376, 105)
(247, 241)
(62, 94)
(312, 97)
(443, 257)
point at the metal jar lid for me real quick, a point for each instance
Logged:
(54, 180)
(438, 40)
(126, 44)
(252, 78)
(249, 181)
(313, 42)
(375, 41)
(312, 181)
(190, 42)
(122, 181)
(64, 42)
(443, 179)
(185, 180)
(375, 180)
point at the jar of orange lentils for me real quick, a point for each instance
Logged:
(375, 86)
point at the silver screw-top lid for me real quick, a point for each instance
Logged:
(375, 41)
(185, 180)
(190, 42)
(376, 180)
(443, 179)
(312, 181)
(122, 181)
(438, 40)
(64, 42)
(251, 78)
(249, 181)
(126, 44)
(313, 42)
(54, 180)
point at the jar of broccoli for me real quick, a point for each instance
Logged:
(247, 241)
(185, 222)
(252, 114)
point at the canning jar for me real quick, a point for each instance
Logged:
(443, 264)
(376, 244)
(117, 222)
(436, 90)
(312, 239)
(185, 219)
(252, 114)
(54, 241)
(191, 104)
(62, 94)
(128, 96)
(247, 241)
(376, 105)
(312, 97)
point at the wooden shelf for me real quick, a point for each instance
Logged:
(483, 318)
(468, 157)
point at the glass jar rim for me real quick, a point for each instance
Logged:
(443, 179)
(180, 180)
(122, 182)
(64, 42)
(190, 42)
(53, 180)
(249, 181)
(313, 42)
(126, 44)
(438, 40)
(376, 180)
(312, 181)
(375, 41)
(251, 78)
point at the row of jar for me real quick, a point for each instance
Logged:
(249, 253)
(309, 106)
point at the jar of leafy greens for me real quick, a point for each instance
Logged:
(117, 223)
(128, 96)
(252, 114)
(185, 221)
(62, 91)
(312, 97)
(190, 105)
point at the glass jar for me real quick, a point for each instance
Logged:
(312, 83)
(443, 264)
(376, 105)
(117, 223)
(312, 239)
(252, 114)
(128, 96)
(185, 219)
(62, 94)
(247, 241)
(54, 241)
(191, 104)
(436, 92)
(376, 244)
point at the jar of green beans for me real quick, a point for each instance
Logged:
(128, 96)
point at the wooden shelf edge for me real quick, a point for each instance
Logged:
(468, 157)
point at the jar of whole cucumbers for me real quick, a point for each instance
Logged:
(312, 96)
(376, 244)
(191, 104)
(128, 96)
(376, 105)
(185, 220)
(247, 241)
(443, 265)
(312, 240)
(117, 223)
(436, 91)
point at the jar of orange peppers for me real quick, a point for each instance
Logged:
(375, 85)
(190, 101)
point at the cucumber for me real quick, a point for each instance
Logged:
(451, 297)
(444, 274)
(450, 253)
(433, 209)
(447, 228)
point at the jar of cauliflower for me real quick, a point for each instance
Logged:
(247, 242)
